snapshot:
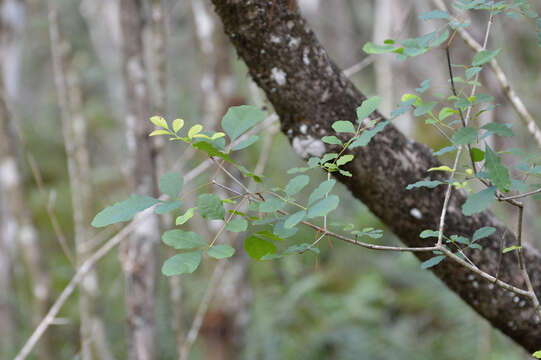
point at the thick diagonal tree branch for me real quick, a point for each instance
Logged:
(309, 93)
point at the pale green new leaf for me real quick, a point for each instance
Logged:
(159, 132)
(159, 121)
(177, 124)
(511, 248)
(123, 211)
(185, 217)
(344, 159)
(194, 130)
(184, 263)
(371, 48)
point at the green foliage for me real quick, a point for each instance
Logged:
(433, 261)
(258, 248)
(497, 173)
(171, 184)
(221, 251)
(184, 263)
(479, 201)
(123, 211)
(179, 239)
(209, 206)
(240, 119)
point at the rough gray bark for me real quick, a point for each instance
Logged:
(309, 93)
(139, 253)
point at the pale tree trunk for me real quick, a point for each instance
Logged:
(381, 170)
(15, 217)
(103, 20)
(139, 253)
(94, 343)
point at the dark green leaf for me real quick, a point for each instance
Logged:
(184, 263)
(123, 211)
(257, 248)
(499, 129)
(429, 233)
(477, 154)
(367, 135)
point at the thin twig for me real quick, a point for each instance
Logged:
(514, 197)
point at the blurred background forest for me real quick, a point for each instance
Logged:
(59, 148)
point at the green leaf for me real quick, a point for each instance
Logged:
(322, 189)
(477, 154)
(281, 231)
(300, 248)
(185, 217)
(445, 150)
(296, 184)
(245, 143)
(479, 201)
(424, 108)
(511, 248)
(343, 126)
(497, 173)
(460, 239)
(441, 168)
(471, 72)
(368, 107)
(464, 136)
(210, 207)
(446, 112)
(237, 225)
(257, 248)
(424, 183)
(294, 219)
(345, 173)
(159, 132)
(367, 135)
(167, 206)
(171, 184)
(123, 211)
(194, 130)
(184, 263)
(424, 86)
(484, 56)
(371, 48)
(537, 354)
(432, 262)
(344, 159)
(240, 119)
(323, 207)
(435, 14)
(268, 235)
(272, 205)
(429, 233)
(499, 129)
(159, 121)
(333, 140)
(221, 251)
(328, 156)
(483, 233)
(177, 125)
(180, 239)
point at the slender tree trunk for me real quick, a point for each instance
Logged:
(94, 343)
(139, 254)
(317, 90)
(15, 217)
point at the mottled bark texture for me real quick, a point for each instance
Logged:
(309, 93)
(139, 253)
